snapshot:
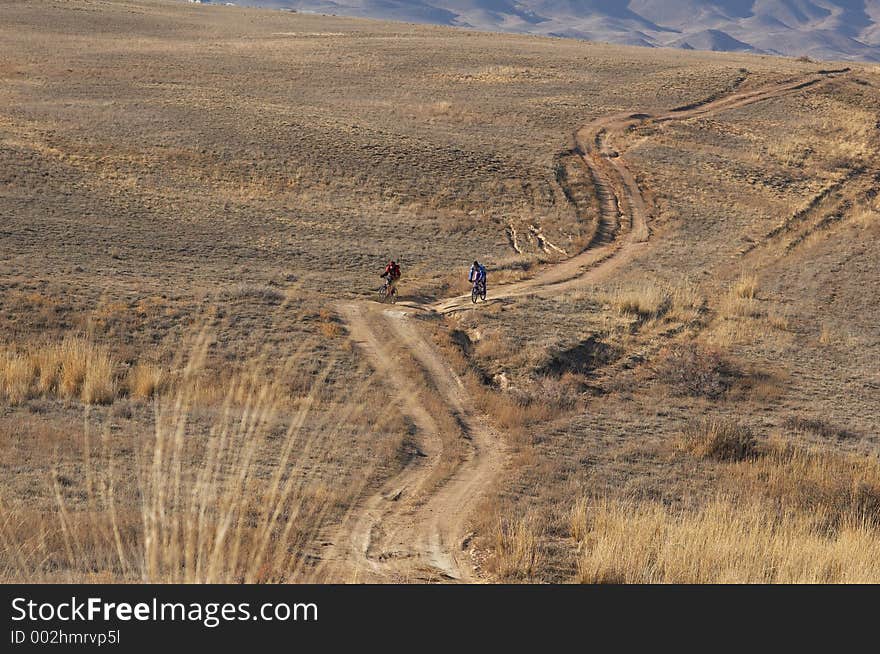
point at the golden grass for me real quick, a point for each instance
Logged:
(72, 369)
(843, 488)
(783, 514)
(730, 540)
(827, 335)
(517, 552)
(746, 287)
(146, 380)
(17, 377)
(723, 440)
(243, 503)
(647, 300)
(650, 300)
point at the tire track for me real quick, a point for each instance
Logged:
(414, 528)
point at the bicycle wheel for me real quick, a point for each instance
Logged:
(483, 292)
(474, 294)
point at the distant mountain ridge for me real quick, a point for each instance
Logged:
(821, 29)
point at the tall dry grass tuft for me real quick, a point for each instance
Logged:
(17, 377)
(650, 300)
(71, 369)
(245, 499)
(517, 548)
(741, 299)
(746, 287)
(252, 509)
(719, 439)
(146, 380)
(645, 301)
(99, 382)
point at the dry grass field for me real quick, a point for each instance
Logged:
(197, 385)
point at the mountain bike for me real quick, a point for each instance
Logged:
(388, 293)
(478, 291)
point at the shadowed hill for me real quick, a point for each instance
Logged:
(822, 29)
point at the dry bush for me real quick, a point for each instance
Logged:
(561, 392)
(719, 439)
(693, 369)
(492, 345)
(517, 550)
(329, 325)
(732, 540)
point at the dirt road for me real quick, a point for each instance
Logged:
(416, 527)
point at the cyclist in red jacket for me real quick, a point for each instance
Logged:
(391, 275)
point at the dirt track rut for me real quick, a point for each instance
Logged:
(415, 528)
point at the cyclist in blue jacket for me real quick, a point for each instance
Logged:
(477, 275)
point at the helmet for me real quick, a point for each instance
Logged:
(476, 263)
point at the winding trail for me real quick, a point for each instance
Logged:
(416, 527)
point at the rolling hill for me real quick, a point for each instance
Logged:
(820, 29)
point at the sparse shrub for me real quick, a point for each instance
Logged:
(718, 439)
(560, 391)
(695, 370)
(259, 292)
(330, 329)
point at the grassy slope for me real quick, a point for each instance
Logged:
(160, 157)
